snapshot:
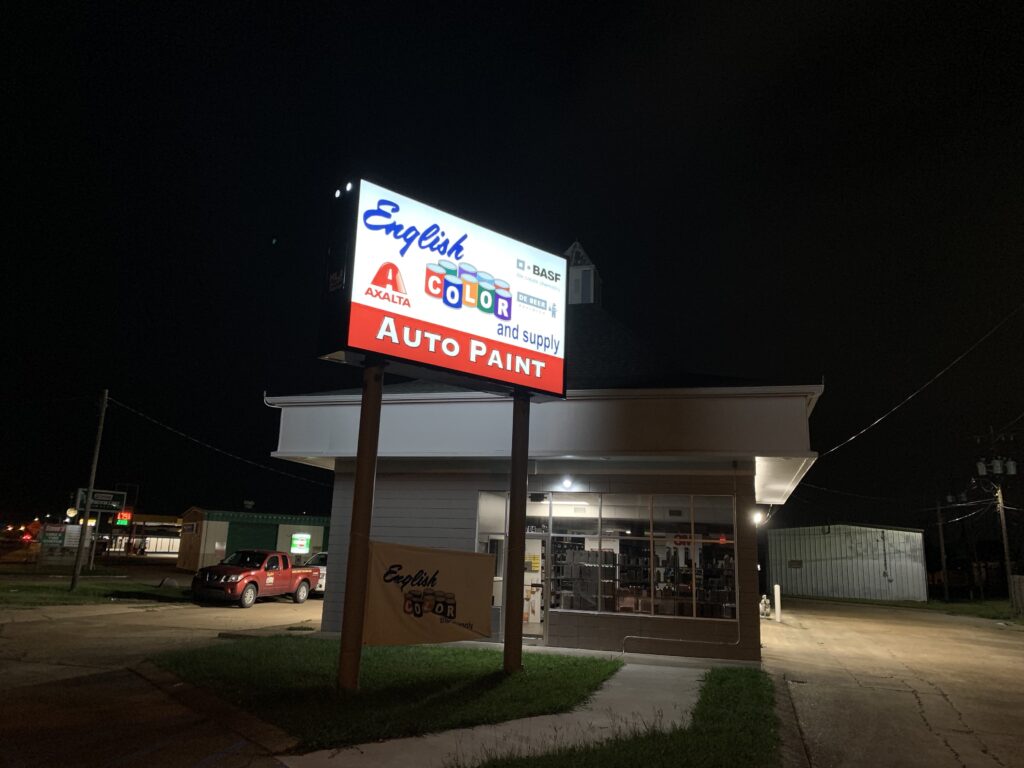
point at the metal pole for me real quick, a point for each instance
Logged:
(942, 550)
(1006, 543)
(88, 496)
(516, 553)
(351, 650)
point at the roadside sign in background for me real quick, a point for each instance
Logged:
(102, 501)
(53, 535)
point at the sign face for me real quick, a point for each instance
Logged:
(423, 595)
(102, 501)
(431, 288)
(124, 517)
(300, 543)
(53, 535)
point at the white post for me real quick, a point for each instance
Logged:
(778, 603)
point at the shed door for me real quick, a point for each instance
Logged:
(251, 536)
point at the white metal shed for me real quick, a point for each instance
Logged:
(849, 561)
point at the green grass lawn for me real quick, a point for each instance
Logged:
(733, 726)
(30, 593)
(404, 691)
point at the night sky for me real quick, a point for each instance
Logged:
(779, 192)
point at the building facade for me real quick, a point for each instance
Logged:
(640, 531)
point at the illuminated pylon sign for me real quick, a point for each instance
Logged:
(124, 517)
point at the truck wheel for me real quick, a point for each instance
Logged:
(301, 592)
(248, 596)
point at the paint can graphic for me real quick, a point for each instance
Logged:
(434, 283)
(502, 303)
(467, 269)
(500, 285)
(485, 277)
(452, 291)
(485, 303)
(449, 267)
(470, 290)
(414, 603)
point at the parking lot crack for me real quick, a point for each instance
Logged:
(965, 728)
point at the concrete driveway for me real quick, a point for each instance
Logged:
(877, 686)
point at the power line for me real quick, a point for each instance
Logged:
(846, 493)
(924, 386)
(197, 441)
(1011, 422)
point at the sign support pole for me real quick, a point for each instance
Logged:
(88, 497)
(359, 534)
(516, 550)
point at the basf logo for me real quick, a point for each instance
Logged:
(429, 287)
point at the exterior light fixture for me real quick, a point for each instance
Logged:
(71, 512)
(567, 482)
(348, 187)
(337, 193)
(758, 517)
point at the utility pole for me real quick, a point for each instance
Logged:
(1006, 543)
(942, 550)
(88, 496)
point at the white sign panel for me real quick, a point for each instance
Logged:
(429, 287)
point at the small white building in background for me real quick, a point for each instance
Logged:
(849, 561)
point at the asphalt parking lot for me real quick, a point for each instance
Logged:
(879, 686)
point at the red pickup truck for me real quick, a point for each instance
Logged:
(251, 573)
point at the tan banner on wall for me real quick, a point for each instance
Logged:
(424, 595)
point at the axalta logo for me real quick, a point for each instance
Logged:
(388, 285)
(463, 286)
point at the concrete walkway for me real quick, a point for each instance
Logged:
(641, 695)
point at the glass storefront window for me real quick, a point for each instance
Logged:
(653, 554)
(625, 536)
(576, 561)
(714, 528)
(575, 513)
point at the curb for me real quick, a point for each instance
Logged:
(264, 735)
(792, 749)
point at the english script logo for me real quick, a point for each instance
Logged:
(433, 238)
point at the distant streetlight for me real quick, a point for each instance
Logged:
(71, 512)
